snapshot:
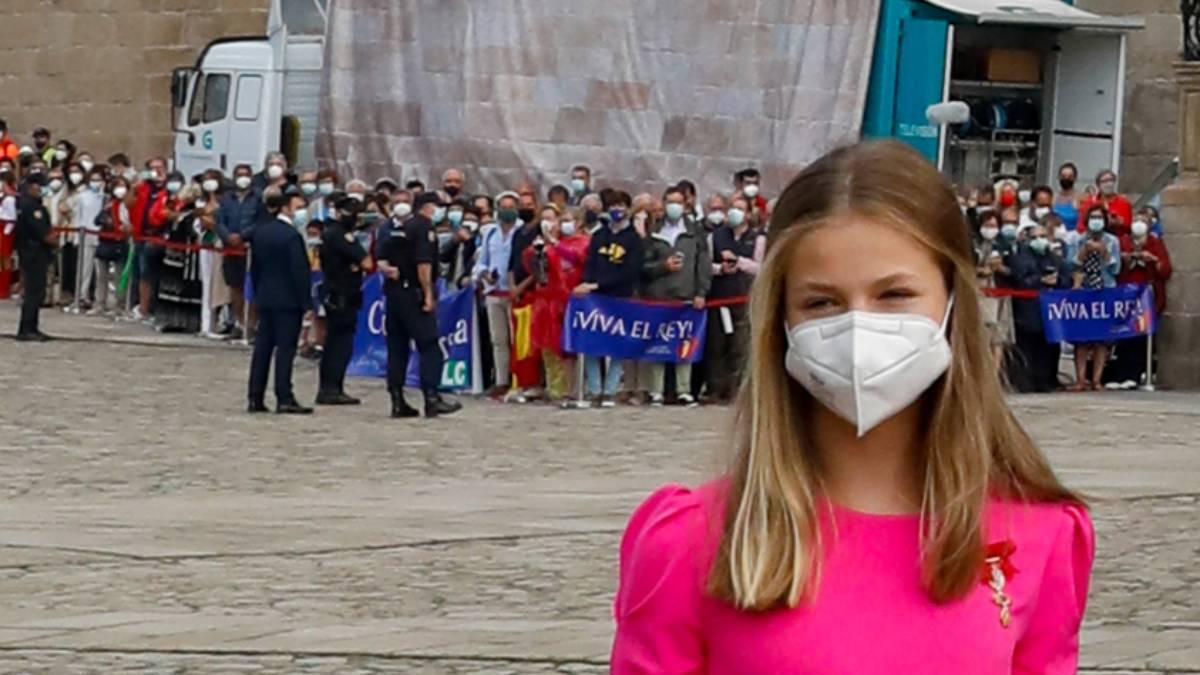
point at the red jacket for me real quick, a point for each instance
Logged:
(1117, 205)
(141, 216)
(1149, 273)
(549, 301)
(8, 148)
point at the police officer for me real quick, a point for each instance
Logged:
(280, 272)
(343, 261)
(406, 254)
(35, 243)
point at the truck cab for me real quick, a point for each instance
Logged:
(248, 96)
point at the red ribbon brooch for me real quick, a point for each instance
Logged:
(998, 569)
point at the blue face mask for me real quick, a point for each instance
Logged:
(438, 214)
(455, 217)
(616, 215)
(300, 218)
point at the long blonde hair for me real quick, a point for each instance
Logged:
(974, 447)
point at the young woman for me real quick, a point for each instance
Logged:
(1066, 202)
(885, 512)
(114, 227)
(992, 271)
(550, 292)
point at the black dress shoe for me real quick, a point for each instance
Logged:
(336, 398)
(435, 407)
(292, 408)
(41, 337)
(255, 407)
(26, 337)
(402, 410)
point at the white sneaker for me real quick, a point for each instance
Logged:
(656, 400)
(608, 403)
(1113, 386)
(136, 315)
(95, 311)
(1129, 384)
(687, 400)
(516, 396)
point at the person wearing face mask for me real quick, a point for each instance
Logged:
(274, 173)
(1150, 215)
(356, 189)
(491, 275)
(180, 286)
(9, 198)
(85, 160)
(88, 204)
(215, 292)
(525, 371)
(1119, 209)
(458, 253)
(992, 260)
(281, 278)
(548, 296)
(580, 184)
(738, 249)
(41, 143)
(877, 471)
(613, 268)
(1066, 202)
(240, 209)
(406, 255)
(1040, 205)
(151, 192)
(343, 263)
(1033, 365)
(748, 183)
(35, 243)
(321, 205)
(64, 154)
(716, 213)
(69, 254)
(8, 148)
(1097, 262)
(676, 266)
(53, 194)
(113, 249)
(1144, 262)
(306, 180)
(591, 206)
(163, 217)
(452, 183)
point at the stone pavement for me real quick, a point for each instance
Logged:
(148, 526)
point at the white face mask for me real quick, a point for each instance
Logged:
(989, 233)
(210, 185)
(568, 228)
(87, 164)
(174, 186)
(274, 172)
(736, 217)
(547, 228)
(325, 189)
(242, 182)
(357, 196)
(716, 217)
(402, 209)
(1095, 225)
(76, 178)
(130, 175)
(309, 189)
(866, 367)
(60, 155)
(120, 192)
(1139, 229)
(201, 203)
(750, 190)
(1041, 212)
(674, 211)
(55, 185)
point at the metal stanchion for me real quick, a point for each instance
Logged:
(1149, 385)
(580, 379)
(80, 286)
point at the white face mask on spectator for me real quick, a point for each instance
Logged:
(210, 185)
(1139, 229)
(568, 228)
(76, 178)
(87, 164)
(56, 185)
(736, 217)
(750, 190)
(120, 191)
(243, 182)
(674, 211)
(325, 189)
(716, 217)
(274, 172)
(402, 210)
(989, 233)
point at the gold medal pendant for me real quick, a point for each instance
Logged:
(998, 570)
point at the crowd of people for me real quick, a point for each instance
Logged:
(1070, 238)
(155, 246)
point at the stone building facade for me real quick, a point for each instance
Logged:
(1150, 135)
(98, 72)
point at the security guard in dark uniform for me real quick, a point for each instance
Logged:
(280, 273)
(343, 261)
(35, 243)
(406, 254)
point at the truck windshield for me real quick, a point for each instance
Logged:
(210, 100)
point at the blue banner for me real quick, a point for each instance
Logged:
(622, 329)
(457, 338)
(1098, 316)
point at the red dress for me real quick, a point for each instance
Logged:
(1148, 274)
(1116, 206)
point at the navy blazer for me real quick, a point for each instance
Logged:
(279, 267)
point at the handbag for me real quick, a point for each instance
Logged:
(108, 249)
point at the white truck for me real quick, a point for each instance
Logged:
(247, 96)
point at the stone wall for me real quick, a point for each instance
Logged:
(1150, 136)
(97, 72)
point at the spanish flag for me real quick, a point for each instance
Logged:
(526, 361)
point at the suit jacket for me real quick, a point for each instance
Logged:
(279, 267)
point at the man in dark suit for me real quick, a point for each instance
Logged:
(280, 273)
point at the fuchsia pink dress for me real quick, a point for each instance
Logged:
(870, 614)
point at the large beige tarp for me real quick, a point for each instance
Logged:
(645, 91)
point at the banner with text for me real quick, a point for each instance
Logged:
(622, 329)
(1098, 316)
(457, 338)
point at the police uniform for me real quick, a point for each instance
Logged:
(342, 259)
(406, 246)
(35, 252)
